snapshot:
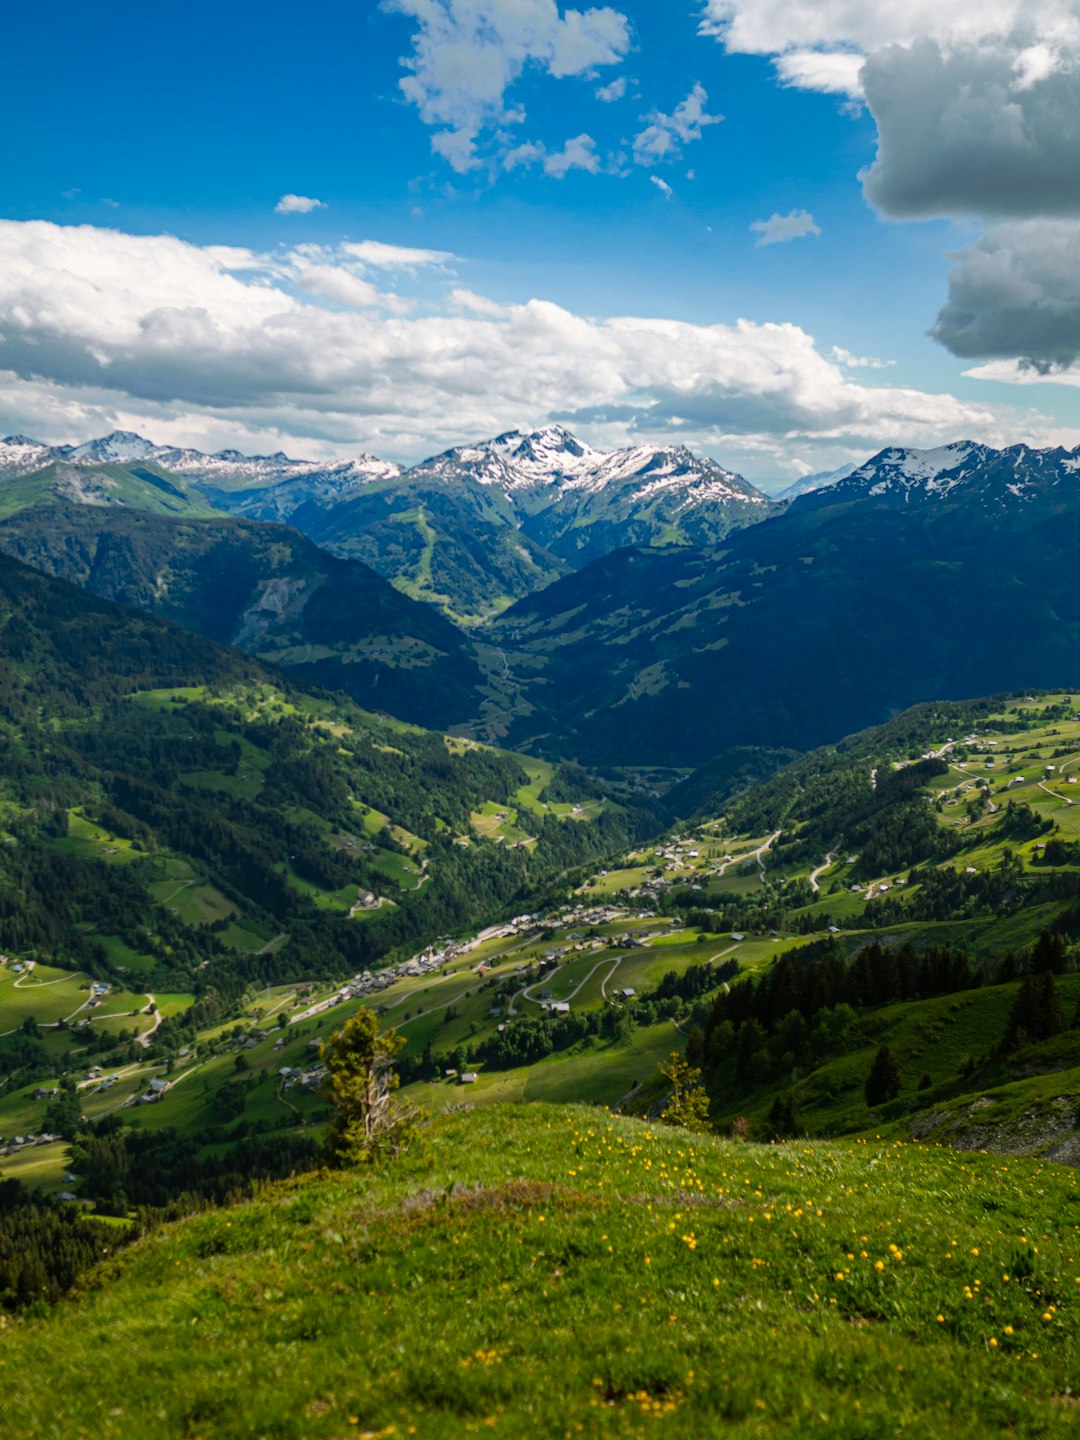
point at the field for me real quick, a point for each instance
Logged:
(585, 1274)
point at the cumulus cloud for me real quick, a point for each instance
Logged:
(977, 106)
(967, 132)
(577, 154)
(298, 205)
(1016, 293)
(978, 115)
(780, 229)
(467, 54)
(665, 135)
(615, 91)
(662, 185)
(97, 321)
(776, 27)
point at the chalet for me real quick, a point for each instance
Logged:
(558, 1007)
(628, 992)
(736, 936)
(469, 1078)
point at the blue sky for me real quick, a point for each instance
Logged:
(545, 175)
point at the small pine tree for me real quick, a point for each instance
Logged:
(360, 1084)
(784, 1122)
(688, 1103)
(1049, 956)
(883, 1081)
(1036, 1013)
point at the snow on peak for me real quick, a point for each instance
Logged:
(120, 446)
(554, 458)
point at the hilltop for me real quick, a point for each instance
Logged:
(553, 1271)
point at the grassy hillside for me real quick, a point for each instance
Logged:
(553, 1272)
(138, 486)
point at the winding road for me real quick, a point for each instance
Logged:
(814, 874)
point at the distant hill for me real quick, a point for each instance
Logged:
(923, 574)
(266, 589)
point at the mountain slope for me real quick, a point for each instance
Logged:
(585, 1273)
(135, 485)
(922, 575)
(269, 591)
(207, 823)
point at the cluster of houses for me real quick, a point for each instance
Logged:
(309, 1077)
(24, 1142)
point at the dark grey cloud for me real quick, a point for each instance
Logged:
(971, 131)
(1015, 294)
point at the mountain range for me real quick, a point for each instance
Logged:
(664, 612)
(470, 530)
(923, 574)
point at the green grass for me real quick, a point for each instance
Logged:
(48, 995)
(90, 841)
(554, 1272)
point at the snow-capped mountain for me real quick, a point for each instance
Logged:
(553, 462)
(807, 484)
(965, 472)
(19, 455)
(119, 448)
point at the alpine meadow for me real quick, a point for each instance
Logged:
(540, 721)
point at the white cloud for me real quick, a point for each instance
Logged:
(152, 332)
(467, 54)
(298, 205)
(780, 229)
(859, 362)
(665, 135)
(776, 27)
(615, 91)
(381, 256)
(577, 154)
(831, 72)
(530, 153)
(662, 185)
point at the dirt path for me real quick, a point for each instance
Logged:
(814, 874)
(144, 1039)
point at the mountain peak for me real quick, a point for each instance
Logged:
(119, 445)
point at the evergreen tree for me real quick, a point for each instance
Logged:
(1036, 1013)
(883, 1081)
(688, 1103)
(784, 1122)
(1049, 957)
(751, 1043)
(360, 1085)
